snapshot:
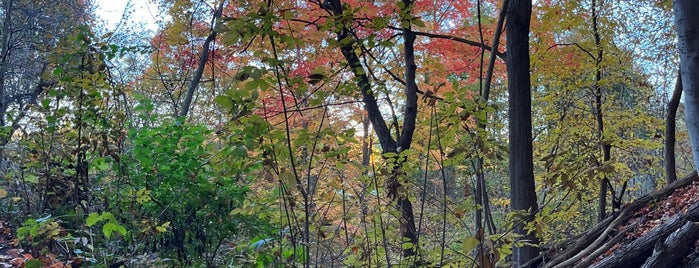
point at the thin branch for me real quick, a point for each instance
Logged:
(500, 55)
(496, 41)
(574, 44)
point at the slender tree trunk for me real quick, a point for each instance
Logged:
(489, 222)
(670, 127)
(688, 45)
(599, 116)
(408, 230)
(366, 145)
(481, 192)
(4, 61)
(4, 54)
(388, 143)
(522, 191)
(203, 59)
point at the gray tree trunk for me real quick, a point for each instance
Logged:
(687, 23)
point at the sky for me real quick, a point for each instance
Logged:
(141, 11)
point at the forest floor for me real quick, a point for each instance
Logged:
(643, 223)
(10, 255)
(13, 256)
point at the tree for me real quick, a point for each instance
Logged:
(595, 114)
(44, 61)
(390, 145)
(670, 126)
(203, 60)
(688, 45)
(598, 112)
(29, 33)
(523, 194)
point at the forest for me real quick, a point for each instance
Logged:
(350, 133)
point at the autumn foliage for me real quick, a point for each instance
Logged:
(310, 139)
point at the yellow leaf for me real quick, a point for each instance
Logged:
(469, 244)
(163, 227)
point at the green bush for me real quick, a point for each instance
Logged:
(176, 202)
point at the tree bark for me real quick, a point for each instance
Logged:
(677, 246)
(522, 192)
(670, 127)
(687, 23)
(203, 59)
(4, 61)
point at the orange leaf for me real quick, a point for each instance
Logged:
(59, 265)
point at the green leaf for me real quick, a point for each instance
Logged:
(252, 85)
(163, 227)
(93, 219)
(400, 5)
(287, 178)
(240, 151)
(58, 71)
(110, 227)
(101, 164)
(31, 178)
(108, 216)
(224, 101)
(142, 196)
(34, 264)
(418, 23)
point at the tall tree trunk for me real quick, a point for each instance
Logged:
(522, 192)
(670, 127)
(388, 143)
(688, 44)
(4, 61)
(405, 206)
(599, 116)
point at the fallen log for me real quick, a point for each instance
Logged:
(636, 253)
(675, 248)
(594, 242)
